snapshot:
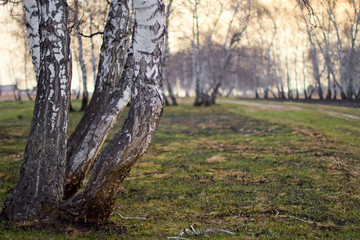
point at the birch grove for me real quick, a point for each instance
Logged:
(200, 55)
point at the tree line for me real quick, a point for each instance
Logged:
(317, 59)
(233, 48)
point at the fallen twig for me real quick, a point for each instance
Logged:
(293, 217)
(212, 231)
(129, 218)
(191, 232)
(301, 220)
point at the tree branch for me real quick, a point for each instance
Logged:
(91, 35)
(4, 3)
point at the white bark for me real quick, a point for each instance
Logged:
(32, 27)
(108, 101)
(92, 49)
(195, 54)
(81, 57)
(166, 53)
(41, 184)
(95, 203)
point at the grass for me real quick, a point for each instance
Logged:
(264, 173)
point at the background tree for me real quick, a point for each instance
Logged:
(85, 97)
(166, 54)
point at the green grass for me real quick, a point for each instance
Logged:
(260, 172)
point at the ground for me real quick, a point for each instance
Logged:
(264, 170)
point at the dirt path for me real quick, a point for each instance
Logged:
(261, 105)
(341, 114)
(283, 107)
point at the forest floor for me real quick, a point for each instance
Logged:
(260, 169)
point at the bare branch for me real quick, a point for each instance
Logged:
(91, 35)
(129, 218)
(191, 232)
(4, 3)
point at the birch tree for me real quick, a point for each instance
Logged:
(232, 39)
(166, 53)
(54, 168)
(346, 48)
(81, 56)
(41, 184)
(195, 54)
(314, 57)
(240, 16)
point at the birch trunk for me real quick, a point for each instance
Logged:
(91, 132)
(166, 55)
(96, 202)
(228, 47)
(42, 173)
(341, 57)
(288, 78)
(314, 59)
(304, 76)
(92, 49)
(195, 56)
(83, 155)
(185, 75)
(296, 77)
(32, 27)
(25, 71)
(85, 97)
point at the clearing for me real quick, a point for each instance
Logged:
(264, 170)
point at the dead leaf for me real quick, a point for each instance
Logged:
(216, 159)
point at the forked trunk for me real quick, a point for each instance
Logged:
(113, 164)
(84, 144)
(81, 161)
